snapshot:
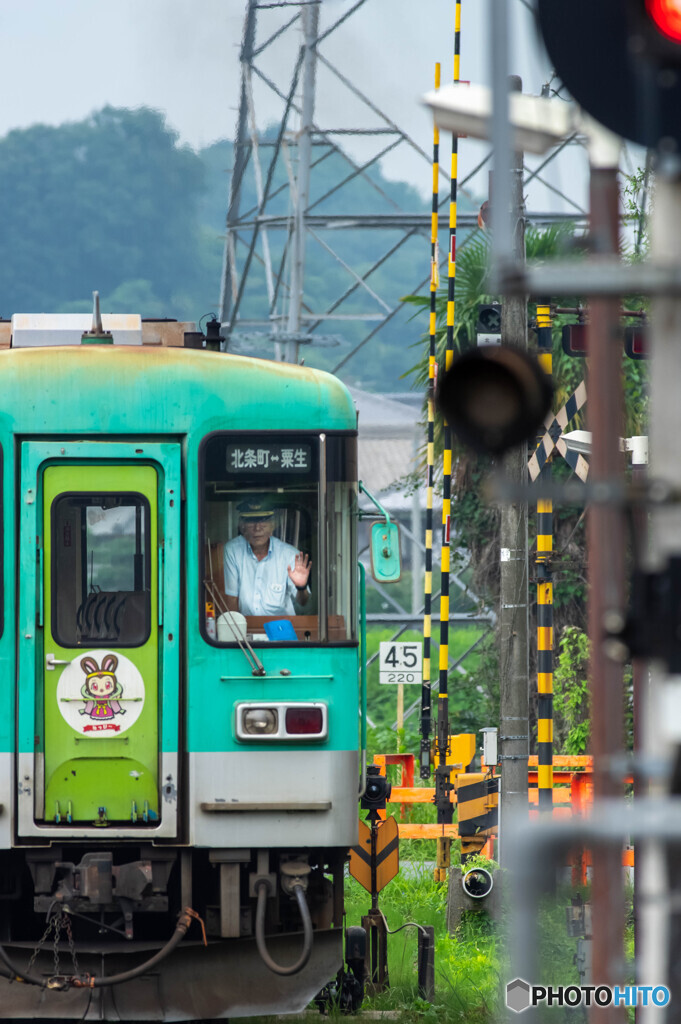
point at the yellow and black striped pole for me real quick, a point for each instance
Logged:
(426, 706)
(442, 769)
(545, 601)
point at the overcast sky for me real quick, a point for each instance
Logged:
(63, 59)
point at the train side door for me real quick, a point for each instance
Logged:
(104, 541)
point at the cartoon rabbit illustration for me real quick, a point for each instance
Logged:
(101, 690)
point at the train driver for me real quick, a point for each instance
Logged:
(263, 575)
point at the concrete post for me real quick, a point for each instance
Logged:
(657, 875)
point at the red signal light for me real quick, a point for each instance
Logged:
(304, 721)
(636, 341)
(574, 338)
(666, 16)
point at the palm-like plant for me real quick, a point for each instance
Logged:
(475, 522)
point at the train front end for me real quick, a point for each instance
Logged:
(180, 778)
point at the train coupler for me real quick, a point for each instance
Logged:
(346, 992)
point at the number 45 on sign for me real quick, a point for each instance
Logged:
(400, 662)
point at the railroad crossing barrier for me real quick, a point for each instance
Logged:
(572, 795)
(481, 821)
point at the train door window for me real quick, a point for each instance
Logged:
(341, 519)
(261, 540)
(101, 570)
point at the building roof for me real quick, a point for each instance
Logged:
(386, 416)
(390, 434)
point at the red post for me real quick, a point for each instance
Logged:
(606, 573)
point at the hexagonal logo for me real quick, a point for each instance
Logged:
(517, 995)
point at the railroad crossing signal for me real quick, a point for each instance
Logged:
(636, 341)
(494, 397)
(575, 339)
(382, 862)
(488, 326)
(576, 343)
(555, 425)
(620, 60)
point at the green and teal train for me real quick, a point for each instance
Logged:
(178, 782)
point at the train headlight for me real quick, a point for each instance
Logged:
(260, 721)
(281, 721)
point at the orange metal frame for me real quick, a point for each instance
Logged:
(573, 796)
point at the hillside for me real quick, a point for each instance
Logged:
(114, 203)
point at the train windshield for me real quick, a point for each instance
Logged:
(279, 538)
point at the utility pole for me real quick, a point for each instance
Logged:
(513, 614)
(606, 571)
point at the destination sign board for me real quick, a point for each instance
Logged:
(268, 457)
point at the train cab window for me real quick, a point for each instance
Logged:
(270, 572)
(2, 533)
(100, 570)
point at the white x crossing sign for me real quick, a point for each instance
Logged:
(555, 425)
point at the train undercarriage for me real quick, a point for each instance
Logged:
(133, 932)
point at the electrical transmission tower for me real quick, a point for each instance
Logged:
(272, 235)
(292, 275)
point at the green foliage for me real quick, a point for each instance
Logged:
(467, 966)
(637, 206)
(114, 203)
(572, 725)
(555, 948)
(469, 970)
(382, 699)
(478, 861)
(636, 380)
(571, 698)
(106, 203)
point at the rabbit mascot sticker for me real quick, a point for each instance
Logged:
(101, 694)
(101, 689)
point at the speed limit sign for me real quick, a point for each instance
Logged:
(400, 662)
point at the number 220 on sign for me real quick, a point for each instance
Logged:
(400, 662)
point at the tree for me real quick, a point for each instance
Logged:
(474, 520)
(95, 204)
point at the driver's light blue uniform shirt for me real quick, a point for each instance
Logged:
(263, 587)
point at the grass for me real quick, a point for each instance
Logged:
(467, 972)
(472, 966)
(466, 965)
